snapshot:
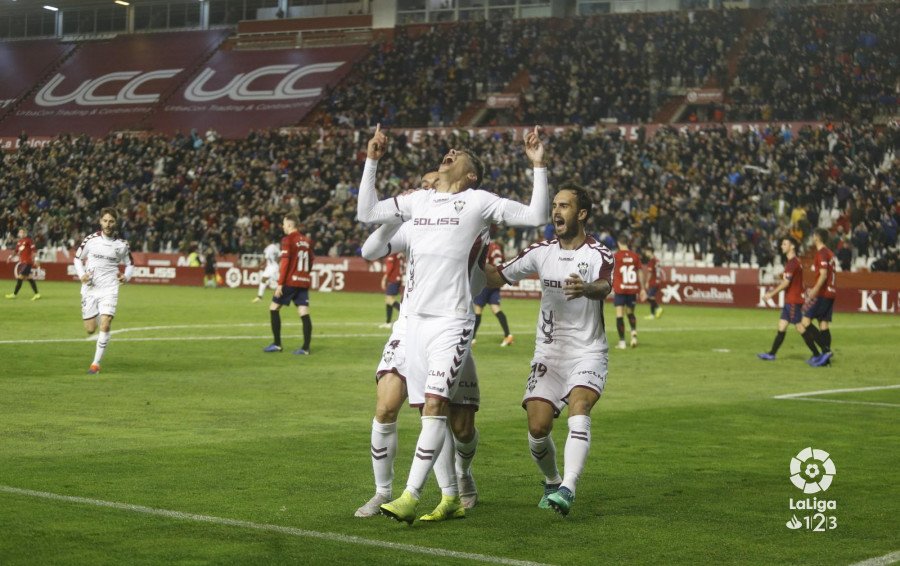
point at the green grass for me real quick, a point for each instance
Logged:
(689, 461)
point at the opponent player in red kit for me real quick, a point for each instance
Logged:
(628, 283)
(655, 276)
(293, 283)
(491, 296)
(820, 302)
(390, 283)
(25, 265)
(792, 284)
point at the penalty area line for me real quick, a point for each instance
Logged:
(266, 527)
(810, 396)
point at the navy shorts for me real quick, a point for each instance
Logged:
(392, 289)
(820, 309)
(624, 300)
(299, 295)
(487, 296)
(23, 270)
(651, 292)
(792, 313)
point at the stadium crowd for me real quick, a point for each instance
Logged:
(818, 63)
(814, 63)
(709, 191)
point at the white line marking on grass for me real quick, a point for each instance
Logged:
(808, 395)
(881, 560)
(292, 531)
(368, 335)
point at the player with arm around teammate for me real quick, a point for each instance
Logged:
(447, 230)
(394, 384)
(792, 284)
(97, 265)
(25, 264)
(570, 360)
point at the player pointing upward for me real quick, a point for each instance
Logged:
(447, 235)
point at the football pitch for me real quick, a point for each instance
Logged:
(194, 447)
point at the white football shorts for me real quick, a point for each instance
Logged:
(94, 303)
(552, 379)
(394, 358)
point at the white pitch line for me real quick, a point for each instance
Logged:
(341, 324)
(881, 560)
(292, 531)
(808, 396)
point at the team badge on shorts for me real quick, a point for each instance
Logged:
(388, 355)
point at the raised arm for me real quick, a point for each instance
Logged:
(368, 207)
(537, 211)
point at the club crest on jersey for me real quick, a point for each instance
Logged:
(583, 269)
(458, 205)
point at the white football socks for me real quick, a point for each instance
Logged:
(428, 448)
(443, 467)
(465, 453)
(102, 341)
(578, 444)
(543, 452)
(384, 449)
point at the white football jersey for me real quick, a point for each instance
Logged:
(101, 257)
(477, 280)
(272, 254)
(565, 328)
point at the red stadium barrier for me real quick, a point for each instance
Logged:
(693, 286)
(722, 287)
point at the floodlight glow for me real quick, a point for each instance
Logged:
(51, 8)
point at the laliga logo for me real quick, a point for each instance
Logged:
(239, 87)
(84, 95)
(812, 470)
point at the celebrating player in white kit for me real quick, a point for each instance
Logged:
(446, 235)
(268, 276)
(97, 265)
(394, 383)
(571, 351)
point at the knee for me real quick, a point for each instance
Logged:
(539, 430)
(386, 414)
(463, 429)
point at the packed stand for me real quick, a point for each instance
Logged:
(714, 194)
(620, 66)
(429, 75)
(820, 63)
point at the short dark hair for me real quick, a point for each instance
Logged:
(291, 217)
(109, 210)
(477, 165)
(822, 233)
(793, 241)
(581, 195)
